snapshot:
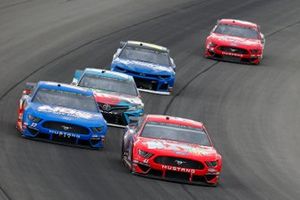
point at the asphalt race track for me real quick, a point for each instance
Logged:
(252, 112)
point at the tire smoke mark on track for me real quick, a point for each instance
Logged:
(92, 41)
(187, 84)
(189, 192)
(14, 4)
(283, 28)
(4, 194)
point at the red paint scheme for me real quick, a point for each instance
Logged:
(21, 107)
(252, 48)
(174, 149)
(106, 98)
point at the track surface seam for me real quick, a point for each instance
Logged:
(187, 84)
(4, 194)
(14, 4)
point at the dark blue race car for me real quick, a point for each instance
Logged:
(61, 113)
(150, 65)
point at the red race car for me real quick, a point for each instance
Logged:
(235, 41)
(171, 148)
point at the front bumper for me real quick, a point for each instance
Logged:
(37, 131)
(216, 53)
(151, 169)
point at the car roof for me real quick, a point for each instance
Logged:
(238, 22)
(108, 74)
(148, 45)
(174, 120)
(64, 87)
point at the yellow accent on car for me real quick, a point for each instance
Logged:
(153, 46)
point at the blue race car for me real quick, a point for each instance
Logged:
(115, 93)
(150, 65)
(61, 113)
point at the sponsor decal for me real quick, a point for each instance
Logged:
(66, 128)
(155, 145)
(65, 111)
(179, 162)
(178, 169)
(33, 125)
(64, 134)
(231, 54)
(181, 152)
(180, 149)
(233, 50)
(198, 151)
(106, 107)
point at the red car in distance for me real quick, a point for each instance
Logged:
(171, 148)
(235, 41)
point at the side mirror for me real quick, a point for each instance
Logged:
(26, 92)
(263, 40)
(122, 44)
(131, 128)
(172, 61)
(76, 77)
(173, 64)
(28, 88)
(214, 28)
(117, 53)
(133, 123)
(139, 95)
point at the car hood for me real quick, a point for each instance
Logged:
(113, 98)
(58, 113)
(177, 149)
(143, 67)
(227, 40)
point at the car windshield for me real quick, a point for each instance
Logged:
(145, 55)
(176, 133)
(238, 31)
(109, 84)
(65, 99)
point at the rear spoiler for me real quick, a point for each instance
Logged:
(28, 88)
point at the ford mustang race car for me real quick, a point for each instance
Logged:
(171, 148)
(235, 41)
(61, 113)
(150, 65)
(115, 93)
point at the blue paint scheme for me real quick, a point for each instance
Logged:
(134, 103)
(47, 113)
(164, 76)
